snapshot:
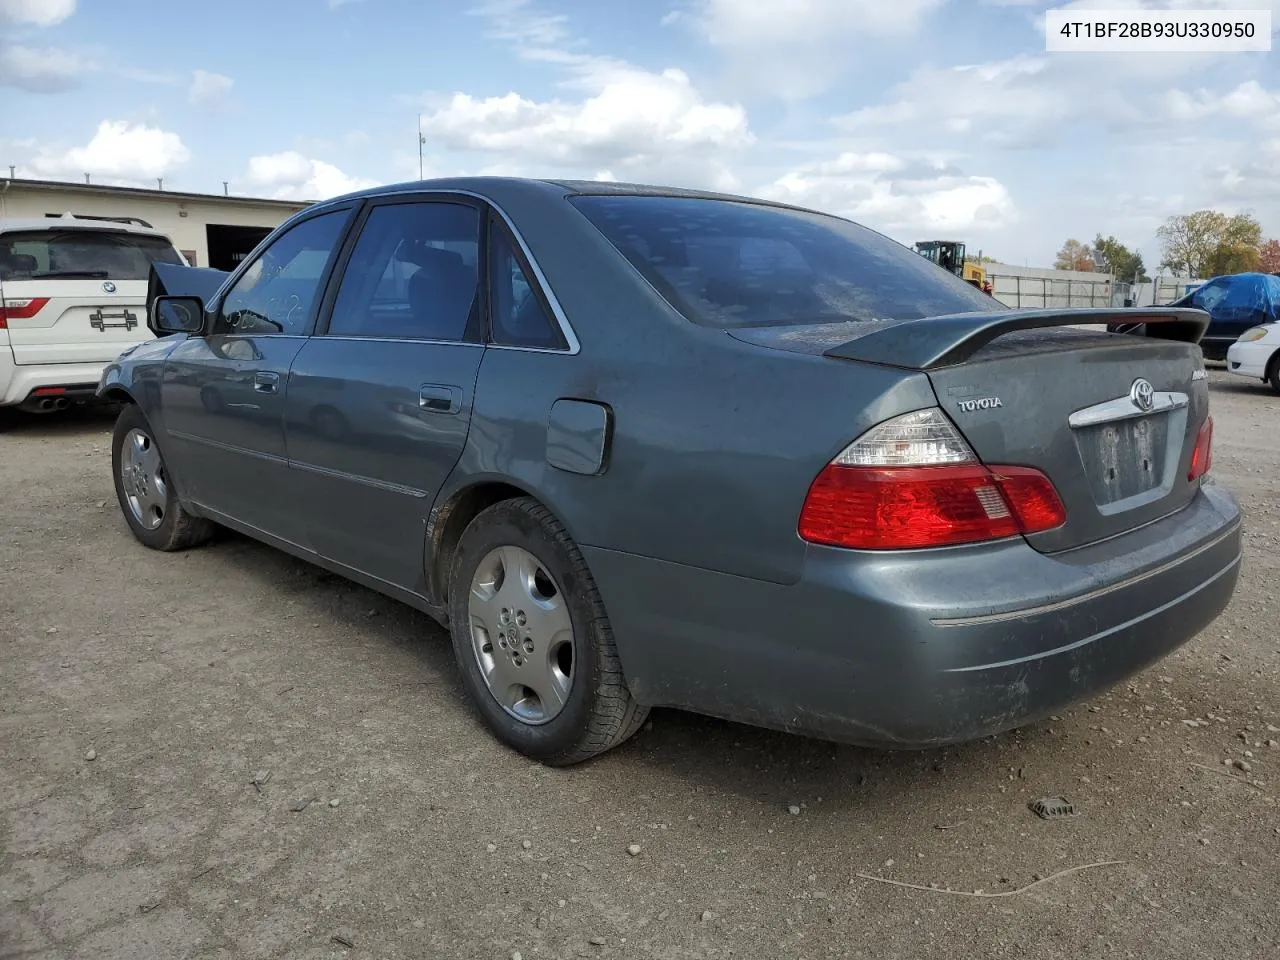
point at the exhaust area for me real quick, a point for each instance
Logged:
(46, 404)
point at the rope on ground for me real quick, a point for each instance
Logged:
(981, 893)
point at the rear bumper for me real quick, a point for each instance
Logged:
(926, 647)
(1250, 359)
(18, 384)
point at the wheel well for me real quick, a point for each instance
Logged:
(1270, 370)
(451, 520)
(118, 395)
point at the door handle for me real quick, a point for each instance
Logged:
(265, 381)
(439, 398)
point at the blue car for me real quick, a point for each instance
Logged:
(1235, 304)
(638, 446)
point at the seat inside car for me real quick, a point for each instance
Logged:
(17, 265)
(441, 291)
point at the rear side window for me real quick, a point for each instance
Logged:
(414, 274)
(518, 316)
(726, 263)
(82, 255)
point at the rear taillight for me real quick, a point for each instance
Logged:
(20, 309)
(1202, 456)
(914, 482)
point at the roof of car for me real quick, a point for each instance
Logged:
(71, 222)
(489, 185)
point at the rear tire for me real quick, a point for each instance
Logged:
(146, 495)
(532, 639)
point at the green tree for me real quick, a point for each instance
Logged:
(1209, 243)
(1074, 255)
(1239, 248)
(1124, 264)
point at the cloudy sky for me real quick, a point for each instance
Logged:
(922, 118)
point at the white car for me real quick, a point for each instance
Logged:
(1257, 354)
(73, 295)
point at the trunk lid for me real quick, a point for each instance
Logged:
(1026, 389)
(1073, 404)
(82, 321)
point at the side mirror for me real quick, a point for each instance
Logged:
(168, 315)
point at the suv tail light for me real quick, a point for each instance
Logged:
(913, 481)
(1202, 456)
(20, 309)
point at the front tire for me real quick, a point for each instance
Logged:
(532, 639)
(143, 488)
(1273, 371)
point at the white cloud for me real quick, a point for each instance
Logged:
(41, 70)
(41, 13)
(634, 113)
(749, 23)
(120, 152)
(895, 195)
(797, 48)
(1033, 100)
(631, 121)
(209, 89)
(1248, 178)
(518, 22)
(1273, 5)
(1249, 101)
(1010, 102)
(292, 176)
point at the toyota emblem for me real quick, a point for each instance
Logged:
(1143, 394)
(108, 286)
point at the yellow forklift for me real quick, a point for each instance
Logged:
(949, 255)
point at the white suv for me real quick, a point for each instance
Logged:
(73, 295)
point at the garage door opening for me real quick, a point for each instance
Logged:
(228, 245)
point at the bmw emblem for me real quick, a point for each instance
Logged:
(108, 286)
(1143, 394)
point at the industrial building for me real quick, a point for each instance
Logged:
(210, 230)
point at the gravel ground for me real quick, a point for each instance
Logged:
(164, 718)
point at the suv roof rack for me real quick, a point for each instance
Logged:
(87, 216)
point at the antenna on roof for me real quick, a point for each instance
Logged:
(12, 168)
(225, 191)
(421, 142)
(159, 183)
(86, 178)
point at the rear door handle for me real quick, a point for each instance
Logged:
(266, 381)
(439, 398)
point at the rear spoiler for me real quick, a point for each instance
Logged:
(946, 340)
(177, 280)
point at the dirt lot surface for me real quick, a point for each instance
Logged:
(163, 718)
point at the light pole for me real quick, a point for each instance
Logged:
(421, 142)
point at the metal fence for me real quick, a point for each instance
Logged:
(1169, 289)
(1030, 292)
(1048, 292)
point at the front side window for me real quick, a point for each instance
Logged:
(281, 289)
(413, 274)
(71, 254)
(727, 263)
(518, 316)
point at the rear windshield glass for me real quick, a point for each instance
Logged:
(81, 254)
(726, 263)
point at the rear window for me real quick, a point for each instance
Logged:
(727, 263)
(82, 254)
